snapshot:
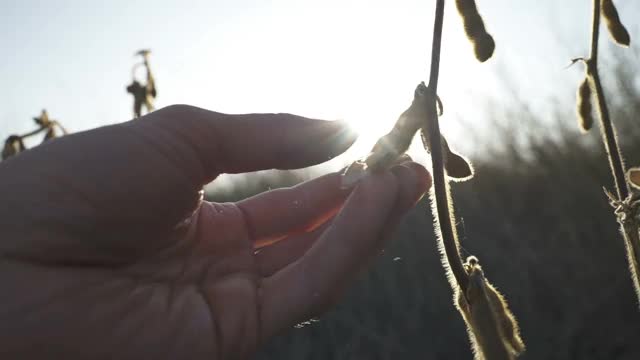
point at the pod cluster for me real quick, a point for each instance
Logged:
(482, 41)
(618, 32)
(15, 143)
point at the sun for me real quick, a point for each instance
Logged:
(373, 119)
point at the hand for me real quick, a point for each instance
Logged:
(108, 250)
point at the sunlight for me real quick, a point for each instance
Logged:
(352, 69)
(359, 61)
(367, 74)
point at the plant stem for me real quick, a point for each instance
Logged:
(441, 190)
(628, 224)
(62, 128)
(34, 132)
(436, 45)
(629, 228)
(607, 131)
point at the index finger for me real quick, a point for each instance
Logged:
(316, 279)
(234, 144)
(147, 172)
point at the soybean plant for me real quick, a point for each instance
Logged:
(492, 328)
(624, 201)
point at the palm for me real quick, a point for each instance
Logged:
(110, 252)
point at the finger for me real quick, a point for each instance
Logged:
(274, 257)
(415, 181)
(308, 285)
(278, 213)
(241, 143)
(147, 172)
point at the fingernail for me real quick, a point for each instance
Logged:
(334, 136)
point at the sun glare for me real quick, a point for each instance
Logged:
(358, 71)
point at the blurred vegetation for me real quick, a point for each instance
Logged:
(538, 219)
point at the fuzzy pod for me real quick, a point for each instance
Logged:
(483, 44)
(492, 328)
(618, 32)
(633, 177)
(584, 107)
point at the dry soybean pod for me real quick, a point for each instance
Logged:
(633, 177)
(483, 44)
(493, 329)
(584, 106)
(618, 32)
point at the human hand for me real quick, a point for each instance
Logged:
(97, 260)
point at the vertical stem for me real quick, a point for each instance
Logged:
(447, 227)
(595, 32)
(628, 225)
(608, 133)
(436, 46)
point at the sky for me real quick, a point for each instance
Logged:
(330, 59)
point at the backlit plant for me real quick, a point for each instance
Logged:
(492, 328)
(623, 201)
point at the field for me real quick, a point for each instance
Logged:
(550, 210)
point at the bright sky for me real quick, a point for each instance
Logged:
(358, 60)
